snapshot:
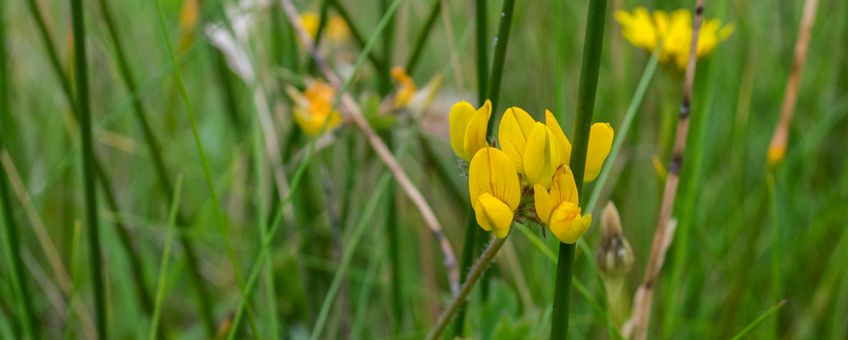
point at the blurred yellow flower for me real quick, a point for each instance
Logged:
(406, 87)
(559, 208)
(671, 32)
(313, 109)
(468, 128)
(336, 29)
(494, 189)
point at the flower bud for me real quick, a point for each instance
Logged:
(615, 256)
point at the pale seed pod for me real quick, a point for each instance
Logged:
(615, 256)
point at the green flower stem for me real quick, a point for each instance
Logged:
(89, 171)
(473, 276)
(421, 39)
(501, 42)
(323, 18)
(11, 241)
(585, 107)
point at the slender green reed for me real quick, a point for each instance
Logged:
(356, 33)
(222, 221)
(166, 256)
(592, 48)
(136, 264)
(11, 241)
(501, 42)
(88, 170)
(482, 45)
(385, 78)
(324, 17)
(300, 173)
(381, 189)
(623, 129)
(423, 35)
(75, 269)
(758, 320)
(262, 225)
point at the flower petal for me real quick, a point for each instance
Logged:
(475, 132)
(493, 215)
(567, 224)
(562, 142)
(460, 115)
(492, 172)
(541, 156)
(543, 203)
(564, 189)
(600, 143)
(513, 131)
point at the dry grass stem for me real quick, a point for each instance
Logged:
(637, 326)
(353, 112)
(777, 146)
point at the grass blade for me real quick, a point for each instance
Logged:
(166, 255)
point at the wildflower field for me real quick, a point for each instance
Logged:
(423, 169)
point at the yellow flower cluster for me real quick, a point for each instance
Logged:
(313, 109)
(671, 32)
(532, 154)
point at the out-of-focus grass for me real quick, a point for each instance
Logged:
(719, 271)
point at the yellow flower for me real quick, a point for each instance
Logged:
(494, 190)
(336, 29)
(468, 128)
(600, 143)
(530, 145)
(672, 32)
(406, 89)
(559, 208)
(313, 110)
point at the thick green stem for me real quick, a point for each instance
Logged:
(501, 42)
(89, 172)
(586, 103)
(482, 50)
(11, 242)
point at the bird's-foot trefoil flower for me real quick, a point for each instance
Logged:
(406, 87)
(600, 143)
(671, 33)
(494, 189)
(530, 145)
(313, 109)
(468, 128)
(559, 208)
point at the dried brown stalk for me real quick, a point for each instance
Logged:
(637, 325)
(777, 146)
(353, 113)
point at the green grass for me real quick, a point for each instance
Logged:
(748, 236)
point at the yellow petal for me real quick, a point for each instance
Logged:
(492, 172)
(475, 132)
(562, 142)
(493, 215)
(460, 115)
(543, 203)
(541, 156)
(568, 225)
(600, 143)
(514, 128)
(564, 189)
